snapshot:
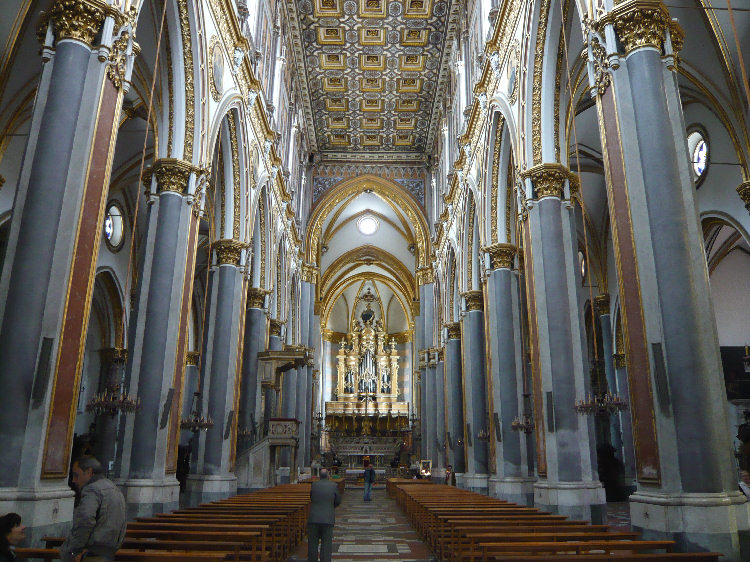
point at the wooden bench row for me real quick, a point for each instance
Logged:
(463, 525)
(260, 526)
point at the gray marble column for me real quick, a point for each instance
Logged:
(423, 407)
(271, 395)
(628, 450)
(475, 392)
(672, 348)
(210, 478)
(511, 480)
(438, 460)
(250, 392)
(430, 409)
(571, 486)
(454, 401)
(189, 388)
(304, 374)
(155, 326)
(601, 305)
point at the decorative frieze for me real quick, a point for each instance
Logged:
(501, 255)
(454, 330)
(275, 327)
(549, 179)
(172, 174)
(228, 251)
(474, 300)
(192, 358)
(639, 24)
(256, 297)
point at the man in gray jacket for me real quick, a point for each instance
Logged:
(99, 519)
(324, 497)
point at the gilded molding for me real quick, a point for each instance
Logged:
(639, 24)
(454, 330)
(78, 19)
(187, 56)
(425, 275)
(474, 300)
(236, 183)
(275, 327)
(118, 60)
(549, 179)
(743, 190)
(601, 302)
(256, 297)
(501, 255)
(172, 174)
(602, 78)
(228, 251)
(2, 182)
(309, 273)
(536, 90)
(192, 358)
(620, 360)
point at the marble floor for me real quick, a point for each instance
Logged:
(374, 531)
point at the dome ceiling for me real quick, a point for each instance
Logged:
(374, 72)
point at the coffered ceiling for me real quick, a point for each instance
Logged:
(374, 73)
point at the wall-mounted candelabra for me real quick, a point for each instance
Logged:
(524, 423)
(483, 435)
(601, 405)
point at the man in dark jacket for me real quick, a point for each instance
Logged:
(324, 497)
(99, 519)
(369, 478)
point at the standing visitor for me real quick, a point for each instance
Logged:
(450, 476)
(369, 479)
(324, 497)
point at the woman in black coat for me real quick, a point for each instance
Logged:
(11, 533)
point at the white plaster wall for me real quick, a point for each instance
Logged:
(732, 299)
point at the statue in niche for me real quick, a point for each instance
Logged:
(385, 381)
(349, 382)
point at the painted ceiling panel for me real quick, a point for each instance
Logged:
(375, 71)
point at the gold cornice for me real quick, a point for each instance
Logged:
(228, 251)
(639, 23)
(474, 300)
(274, 327)
(601, 303)
(192, 358)
(256, 297)
(79, 19)
(501, 255)
(549, 179)
(402, 337)
(454, 330)
(172, 174)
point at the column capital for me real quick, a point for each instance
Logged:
(78, 19)
(192, 358)
(601, 302)
(309, 273)
(256, 297)
(501, 255)
(425, 275)
(172, 174)
(640, 23)
(743, 190)
(228, 251)
(474, 300)
(454, 330)
(275, 327)
(549, 179)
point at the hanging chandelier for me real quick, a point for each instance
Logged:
(113, 401)
(601, 405)
(525, 424)
(195, 422)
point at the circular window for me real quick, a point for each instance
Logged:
(582, 265)
(114, 226)
(698, 148)
(368, 225)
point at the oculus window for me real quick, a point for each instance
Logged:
(368, 225)
(114, 226)
(698, 149)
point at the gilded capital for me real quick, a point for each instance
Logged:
(256, 297)
(275, 327)
(78, 19)
(640, 23)
(454, 330)
(549, 179)
(474, 300)
(601, 302)
(172, 174)
(192, 358)
(309, 273)
(743, 190)
(501, 255)
(425, 275)
(228, 251)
